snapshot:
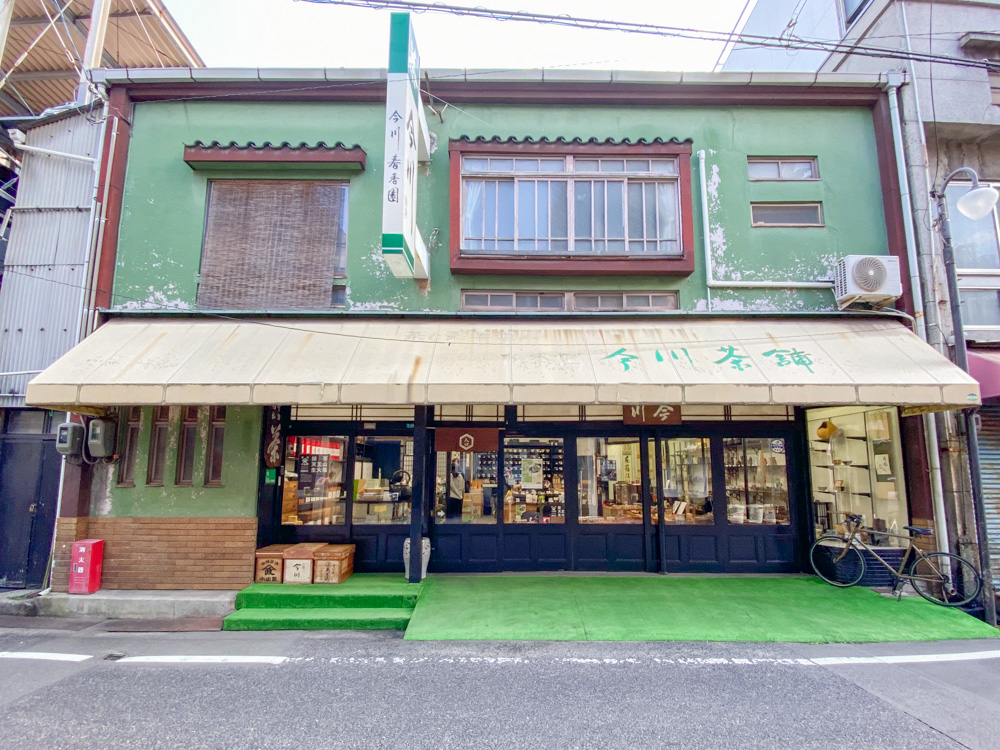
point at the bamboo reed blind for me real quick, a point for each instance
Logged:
(273, 245)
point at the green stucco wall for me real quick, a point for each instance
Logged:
(237, 497)
(163, 216)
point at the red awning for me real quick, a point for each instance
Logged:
(984, 366)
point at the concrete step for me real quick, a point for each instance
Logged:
(320, 618)
(120, 605)
(287, 596)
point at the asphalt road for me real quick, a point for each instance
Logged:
(373, 690)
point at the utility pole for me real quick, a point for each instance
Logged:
(94, 50)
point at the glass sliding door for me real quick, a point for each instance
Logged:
(726, 504)
(612, 514)
(609, 481)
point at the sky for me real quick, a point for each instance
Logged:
(291, 33)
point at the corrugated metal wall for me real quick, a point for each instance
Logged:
(989, 447)
(42, 291)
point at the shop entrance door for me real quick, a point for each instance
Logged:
(503, 508)
(724, 504)
(612, 529)
(345, 489)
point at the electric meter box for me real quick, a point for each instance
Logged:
(69, 439)
(101, 438)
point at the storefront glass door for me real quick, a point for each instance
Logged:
(725, 504)
(613, 512)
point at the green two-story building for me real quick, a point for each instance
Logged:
(548, 320)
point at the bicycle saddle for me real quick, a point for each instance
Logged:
(919, 531)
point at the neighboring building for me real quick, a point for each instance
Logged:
(45, 305)
(950, 119)
(273, 380)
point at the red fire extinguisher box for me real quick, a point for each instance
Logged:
(85, 566)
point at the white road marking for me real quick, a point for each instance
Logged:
(212, 659)
(832, 661)
(694, 661)
(43, 655)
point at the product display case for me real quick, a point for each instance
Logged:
(854, 462)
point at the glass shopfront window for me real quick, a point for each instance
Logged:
(686, 479)
(383, 479)
(756, 481)
(856, 463)
(314, 492)
(466, 488)
(533, 471)
(609, 480)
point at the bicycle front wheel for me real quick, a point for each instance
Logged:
(945, 579)
(837, 562)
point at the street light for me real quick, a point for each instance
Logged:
(976, 204)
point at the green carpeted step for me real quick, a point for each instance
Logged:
(320, 618)
(371, 590)
(286, 596)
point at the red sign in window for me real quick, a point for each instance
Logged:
(323, 447)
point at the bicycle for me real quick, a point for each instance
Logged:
(938, 577)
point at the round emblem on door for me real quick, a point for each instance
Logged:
(465, 442)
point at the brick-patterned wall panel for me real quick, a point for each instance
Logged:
(68, 530)
(172, 553)
(925, 543)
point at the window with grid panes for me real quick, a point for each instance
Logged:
(571, 205)
(568, 301)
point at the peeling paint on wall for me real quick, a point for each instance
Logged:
(158, 299)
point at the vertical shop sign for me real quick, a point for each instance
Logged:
(407, 141)
(272, 438)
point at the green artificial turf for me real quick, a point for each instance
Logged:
(360, 590)
(368, 601)
(799, 609)
(318, 619)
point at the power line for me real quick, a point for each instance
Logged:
(630, 27)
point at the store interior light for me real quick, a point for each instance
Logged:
(978, 202)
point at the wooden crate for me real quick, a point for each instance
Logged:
(334, 563)
(270, 563)
(299, 561)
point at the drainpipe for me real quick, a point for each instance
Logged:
(931, 445)
(94, 234)
(710, 280)
(49, 152)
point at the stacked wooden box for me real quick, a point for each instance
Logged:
(310, 562)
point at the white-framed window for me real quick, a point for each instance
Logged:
(782, 168)
(582, 301)
(786, 214)
(570, 205)
(851, 10)
(976, 245)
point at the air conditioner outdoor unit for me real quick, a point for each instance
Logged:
(867, 278)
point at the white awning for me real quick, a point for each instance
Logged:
(557, 361)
